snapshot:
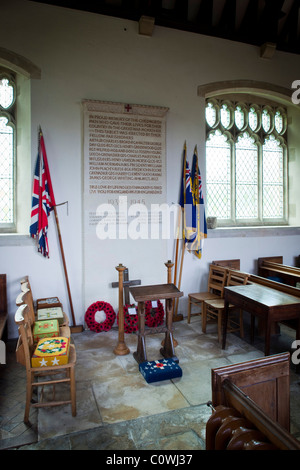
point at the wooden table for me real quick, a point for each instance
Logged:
(269, 304)
(143, 293)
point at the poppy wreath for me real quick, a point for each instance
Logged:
(130, 321)
(89, 317)
(154, 316)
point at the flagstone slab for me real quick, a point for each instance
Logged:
(111, 437)
(183, 441)
(196, 386)
(132, 397)
(58, 420)
(149, 432)
(92, 364)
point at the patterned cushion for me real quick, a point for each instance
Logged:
(51, 352)
(45, 329)
(163, 369)
(51, 314)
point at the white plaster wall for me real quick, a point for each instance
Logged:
(83, 55)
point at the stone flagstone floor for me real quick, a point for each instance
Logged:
(117, 409)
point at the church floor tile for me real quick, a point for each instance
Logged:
(116, 408)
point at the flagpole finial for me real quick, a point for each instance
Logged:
(40, 134)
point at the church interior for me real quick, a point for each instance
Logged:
(149, 226)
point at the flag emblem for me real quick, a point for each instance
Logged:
(43, 200)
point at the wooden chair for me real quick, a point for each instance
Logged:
(216, 282)
(26, 298)
(213, 309)
(3, 308)
(25, 349)
(25, 287)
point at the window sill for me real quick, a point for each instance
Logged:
(15, 239)
(231, 232)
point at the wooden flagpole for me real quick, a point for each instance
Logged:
(179, 317)
(180, 221)
(177, 245)
(74, 328)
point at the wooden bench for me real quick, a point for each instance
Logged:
(272, 267)
(274, 285)
(251, 406)
(228, 263)
(3, 308)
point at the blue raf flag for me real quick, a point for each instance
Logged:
(199, 219)
(186, 200)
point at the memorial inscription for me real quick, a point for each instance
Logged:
(124, 178)
(124, 151)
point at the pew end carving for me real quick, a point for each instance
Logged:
(251, 406)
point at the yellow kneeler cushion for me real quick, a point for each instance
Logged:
(51, 352)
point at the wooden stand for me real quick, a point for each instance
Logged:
(169, 265)
(143, 293)
(121, 349)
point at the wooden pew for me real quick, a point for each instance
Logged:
(251, 407)
(228, 263)
(274, 284)
(3, 307)
(272, 267)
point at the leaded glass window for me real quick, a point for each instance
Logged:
(7, 151)
(246, 163)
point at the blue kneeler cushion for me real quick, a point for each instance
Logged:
(163, 369)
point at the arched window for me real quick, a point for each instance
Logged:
(7, 151)
(16, 73)
(246, 162)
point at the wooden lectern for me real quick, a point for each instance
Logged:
(141, 294)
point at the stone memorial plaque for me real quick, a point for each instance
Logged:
(124, 177)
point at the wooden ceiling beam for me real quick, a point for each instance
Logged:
(256, 27)
(181, 9)
(268, 23)
(228, 19)
(289, 32)
(249, 22)
(205, 14)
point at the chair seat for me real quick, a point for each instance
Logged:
(217, 303)
(197, 299)
(201, 296)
